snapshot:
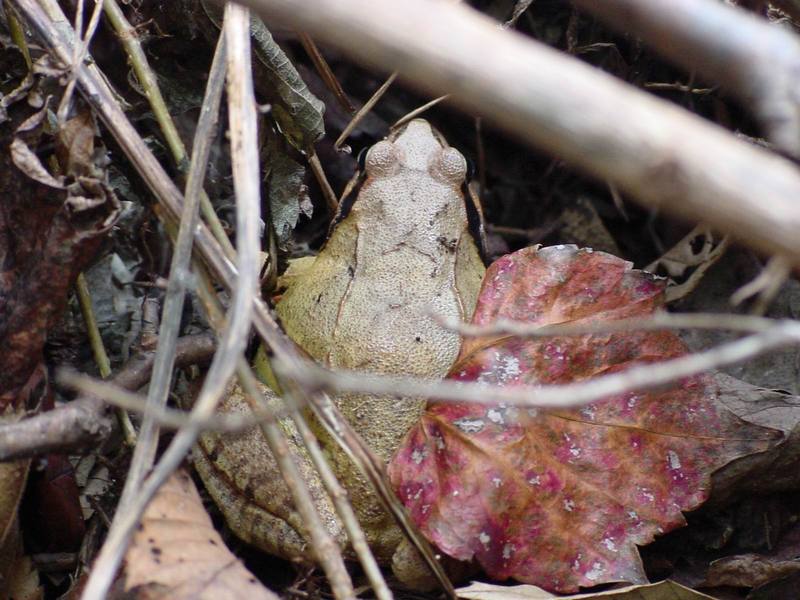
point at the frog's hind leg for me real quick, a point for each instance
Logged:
(244, 480)
(249, 522)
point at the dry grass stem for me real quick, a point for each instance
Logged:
(325, 72)
(129, 38)
(327, 191)
(324, 547)
(244, 155)
(364, 111)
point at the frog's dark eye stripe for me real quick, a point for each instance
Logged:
(470, 169)
(346, 203)
(475, 222)
(362, 159)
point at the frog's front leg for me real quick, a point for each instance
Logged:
(245, 482)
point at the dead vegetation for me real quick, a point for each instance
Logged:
(163, 162)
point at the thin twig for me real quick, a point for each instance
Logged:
(364, 111)
(244, 155)
(169, 418)
(158, 391)
(325, 72)
(766, 285)
(327, 191)
(214, 315)
(99, 351)
(520, 7)
(343, 508)
(571, 395)
(679, 87)
(129, 38)
(371, 468)
(531, 397)
(658, 322)
(78, 55)
(418, 111)
(322, 544)
(242, 105)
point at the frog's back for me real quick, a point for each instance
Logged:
(403, 252)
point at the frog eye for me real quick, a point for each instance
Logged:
(382, 159)
(449, 166)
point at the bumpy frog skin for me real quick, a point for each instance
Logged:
(403, 251)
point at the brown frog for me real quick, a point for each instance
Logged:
(401, 250)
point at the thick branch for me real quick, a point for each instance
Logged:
(661, 154)
(754, 60)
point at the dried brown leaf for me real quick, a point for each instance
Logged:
(177, 554)
(664, 590)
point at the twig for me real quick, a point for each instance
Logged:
(658, 322)
(244, 154)
(343, 508)
(664, 156)
(332, 557)
(327, 191)
(99, 95)
(373, 470)
(520, 7)
(78, 55)
(419, 110)
(678, 87)
(147, 79)
(158, 391)
(766, 285)
(99, 351)
(322, 544)
(325, 72)
(364, 110)
(533, 397)
(169, 418)
(754, 60)
(557, 396)
(84, 422)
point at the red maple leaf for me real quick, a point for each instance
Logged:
(561, 499)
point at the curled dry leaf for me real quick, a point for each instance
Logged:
(663, 590)
(749, 570)
(176, 552)
(562, 498)
(51, 231)
(286, 189)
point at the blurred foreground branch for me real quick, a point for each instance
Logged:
(754, 60)
(661, 154)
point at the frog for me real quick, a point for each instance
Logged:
(403, 247)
